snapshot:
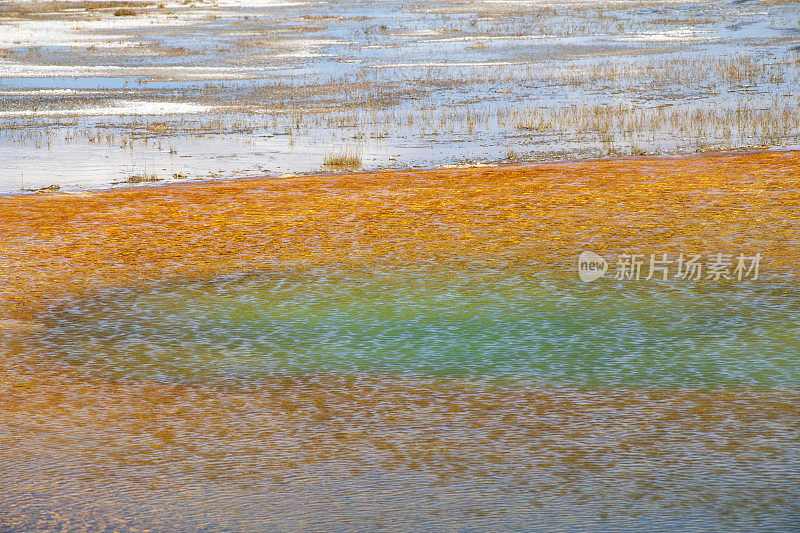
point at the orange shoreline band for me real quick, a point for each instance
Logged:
(732, 202)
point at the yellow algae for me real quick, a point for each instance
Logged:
(543, 212)
(9, 325)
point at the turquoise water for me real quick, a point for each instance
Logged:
(495, 324)
(409, 398)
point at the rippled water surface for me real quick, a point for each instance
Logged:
(404, 351)
(514, 325)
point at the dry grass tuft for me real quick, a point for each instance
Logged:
(140, 178)
(345, 160)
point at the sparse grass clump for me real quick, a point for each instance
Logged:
(741, 71)
(30, 9)
(140, 178)
(49, 188)
(342, 161)
(124, 12)
(160, 128)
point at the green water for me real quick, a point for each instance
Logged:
(480, 323)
